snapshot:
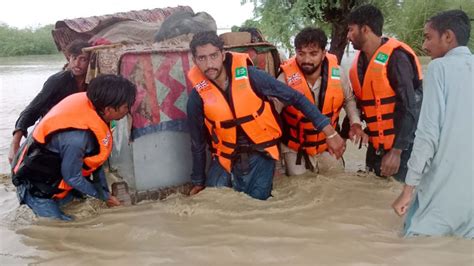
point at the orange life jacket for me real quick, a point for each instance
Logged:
(246, 110)
(376, 96)
(301, 135)
(74, 112)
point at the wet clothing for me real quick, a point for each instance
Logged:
(71, 146)
(56, 88)
(41, 166)
(264, 86)
(405, 81)
(300, 135)
(244, 110)
(256, 182)
(440, 165)
(323, 163)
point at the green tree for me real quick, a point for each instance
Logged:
(406, 22)
(280, 20)
(15, 42)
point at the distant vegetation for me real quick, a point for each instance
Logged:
(280, 20)
(15, 42)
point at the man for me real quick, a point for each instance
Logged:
(56, 88)
(70, 144)
(317, 75)
(440, 166)
(229, 108)
(386, 78)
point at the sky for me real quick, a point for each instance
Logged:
(35, 13)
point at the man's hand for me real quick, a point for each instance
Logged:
(195, 190)
(112, 202)
(15, 145)
(357, 135)
(336, 145)
(401, 204)
(390, 162)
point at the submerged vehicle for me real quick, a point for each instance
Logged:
(152, 145)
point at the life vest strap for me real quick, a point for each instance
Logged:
(386, 100)
(229, 145)
(313, 143)
(307, 162)
(373, 119)
(310, 132)
(257, 147)
(238, 121)
(220, 153)
(390, 131)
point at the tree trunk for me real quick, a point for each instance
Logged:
(338, 39)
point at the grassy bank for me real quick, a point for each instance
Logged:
(16, 42)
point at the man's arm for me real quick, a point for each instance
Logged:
(102, 187)
(350, 105)
(267, 86)
(429, 125)
(72, 147)
(401, 75)
(356, 133)
(197, 131)
(427, 135)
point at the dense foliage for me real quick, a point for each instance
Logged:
(280, 20)
(15, 42)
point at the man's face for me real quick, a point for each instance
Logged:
(309, 58)
(435, 44)
(355, 36)
(210, 60)
(111, 113)
(78, 64)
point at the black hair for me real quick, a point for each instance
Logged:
(455, 20)
(111, 91)
(367, 15)
(311, 36)
(75, 47)
(203, 38)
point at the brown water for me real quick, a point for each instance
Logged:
(310, 220)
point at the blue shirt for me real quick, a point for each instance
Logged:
(264, 86)
(72, 146)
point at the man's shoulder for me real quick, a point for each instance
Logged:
(400, 52)
(61, 75)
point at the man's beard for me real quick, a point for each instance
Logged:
(356, 46)
(309, 69)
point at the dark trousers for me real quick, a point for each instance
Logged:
(256, 181)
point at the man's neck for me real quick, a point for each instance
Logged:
(221, 80)
(371, 45)
(81, 82)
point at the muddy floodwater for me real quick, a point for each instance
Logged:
(310, 220)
